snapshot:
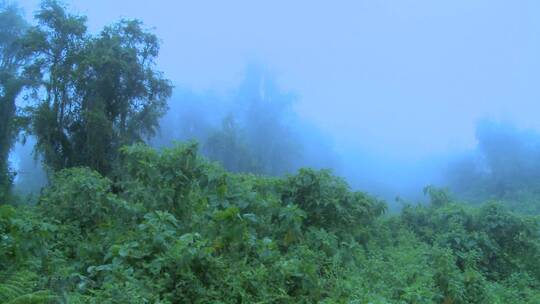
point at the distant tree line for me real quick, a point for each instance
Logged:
(252, 129)
(82, 96)
(505, 166)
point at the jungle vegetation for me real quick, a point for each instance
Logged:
(121, 221)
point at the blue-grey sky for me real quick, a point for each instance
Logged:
(405, 78)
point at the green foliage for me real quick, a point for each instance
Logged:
(19, 288)
(168, 181)
(80, 196)
(176, 228)
(329, 203)
(101, 92)
(491, 232)
(125, 223)
(437, 197)
(24, 237)
(480, 247)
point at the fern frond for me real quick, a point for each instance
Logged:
(18, 288)
(38, 297)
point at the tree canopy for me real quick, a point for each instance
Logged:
(12, 82)
(99, 92)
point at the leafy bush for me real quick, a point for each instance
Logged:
(328, 201)
(19, 288)
(175, 228)
(80, 196)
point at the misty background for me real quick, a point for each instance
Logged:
(393, 95)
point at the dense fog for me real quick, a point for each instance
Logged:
(269, 152)
(269, 95)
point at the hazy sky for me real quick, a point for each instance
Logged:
(400, 78)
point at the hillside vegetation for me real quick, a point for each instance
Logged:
(175, 228)
(122, 222)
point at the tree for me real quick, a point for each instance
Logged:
(504, 166)
(12, 81)
(101, 92)
(270, 123)
(229, 147)
(262, 136)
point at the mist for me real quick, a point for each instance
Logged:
(269, 152)
(389, 96)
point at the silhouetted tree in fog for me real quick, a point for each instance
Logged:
(252, 129)
(504, 166)
(270, 123)
(228, 145)
(12, 82)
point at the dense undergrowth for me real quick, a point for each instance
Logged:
(175, 228)
(137, 225)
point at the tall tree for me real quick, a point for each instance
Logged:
(270, 123)
(12, 81)
(100, 92)
(228, 145)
